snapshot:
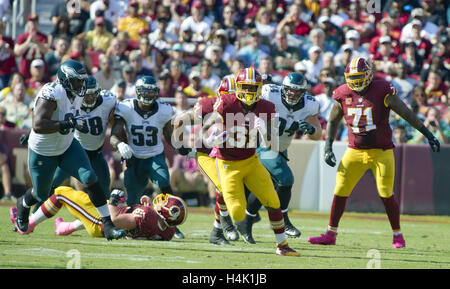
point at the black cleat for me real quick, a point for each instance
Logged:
(228, 228)
(178, 234)
(245, 228)
(22, 215)
(289, 229)
(110, 231)
(216, 237)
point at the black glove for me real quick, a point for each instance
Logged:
(306, 127)
(24, 139)
(330, 159)
(78, 122)
(432, 141)
(116, 197)
(183, 151)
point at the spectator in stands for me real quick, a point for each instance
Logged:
(113, 9)
(220, 38)
(209, 79)
(403, 83)
(106, 76)
(38, 77)
(151, 57)
(423, 45)
(77, 19)
(428, 29)
(212, 10)
(338, 12)
(435, 88)
(54, 58)
(168, 12)
(294, 20)
(324, 74)
(99, 38)
(117, 53)
(176, 77)
(313, 64)
(132, 23)
(135, 59)
(316, 38)
(90, 23)
(411, 57)
(30, 45)
(8, 63)
(385, 29)
(195, 89)
(4, 165)
(352, 37)
(61, 29)
(267, 71)
(164, 85)
(129, 75)
(218, 66)
(177, 52)
(6, 93)
(253, 52)
(161, 38)
(419, 103)
(342, 59)
(435, 124)
(285, 56)
(359, 21)
(399, 134)
(229, 24)
(325, 99)
(120, 90)
(264, 24)
(385, 57)
(18, 112)
(198, 23)
(77, 51)
(333, 33)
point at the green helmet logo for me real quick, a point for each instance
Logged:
(73, 76)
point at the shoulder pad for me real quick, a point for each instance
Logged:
(50, 92)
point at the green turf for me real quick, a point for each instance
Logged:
(364, 240)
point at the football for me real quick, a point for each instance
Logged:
(216, 128)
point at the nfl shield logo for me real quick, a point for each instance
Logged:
(348, 101)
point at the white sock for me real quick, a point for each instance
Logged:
(77, 224)
(38, 216)
(223, 213)
(280, 238)
(103, 211)
(217, 225)
(396, 233)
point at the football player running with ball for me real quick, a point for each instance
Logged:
(365, 104)
(51, 144)
(296, 111)
(244, 115)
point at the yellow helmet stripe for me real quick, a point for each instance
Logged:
(250, 73)
(354, 66)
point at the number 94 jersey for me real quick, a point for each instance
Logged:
(288, 118)
(367, 115)
(144, 128)
(92, 137)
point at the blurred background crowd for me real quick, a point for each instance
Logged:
(189, 45)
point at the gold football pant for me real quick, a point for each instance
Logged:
(79, 205)
(233, 175)
(355, 163)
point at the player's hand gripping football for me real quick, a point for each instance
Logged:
(116, 197)
(216, 137)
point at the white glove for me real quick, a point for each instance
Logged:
(217, 137)
(260, 125)
(125, 150)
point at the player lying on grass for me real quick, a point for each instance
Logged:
(151, 221)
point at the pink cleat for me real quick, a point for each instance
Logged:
(63, 228)
(398, 242)
(12, 217)
(329, 238)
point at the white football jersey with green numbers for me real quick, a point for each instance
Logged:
(56, 143)
(288, 118)
(93, 135)
(144, 128)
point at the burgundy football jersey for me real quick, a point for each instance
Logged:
(204, 107)
(366, 115)
(242, 136)
(147, 224)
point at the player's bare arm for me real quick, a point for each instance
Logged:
(118, 132)
(335, 118)
(395, 103)
(167, 132)
(42, 114)
(314, 121)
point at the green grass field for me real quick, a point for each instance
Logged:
(364, 240)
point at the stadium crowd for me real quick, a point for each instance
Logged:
(189, 46)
